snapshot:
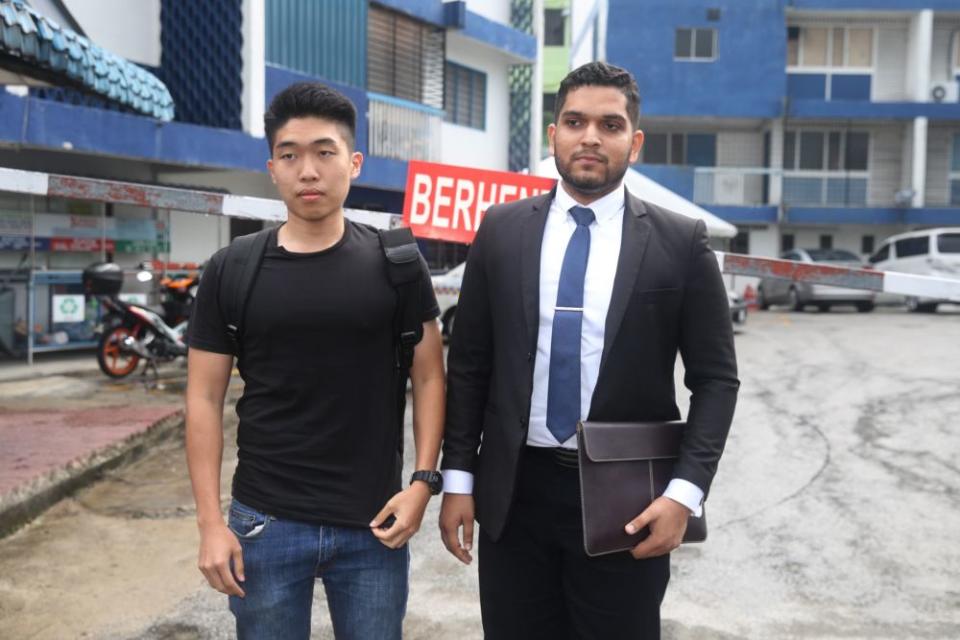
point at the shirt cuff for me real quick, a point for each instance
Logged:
(457, 481)
(684, 492)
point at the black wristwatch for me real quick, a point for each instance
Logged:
(434, 480)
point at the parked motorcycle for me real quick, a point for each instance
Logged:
(133, 332)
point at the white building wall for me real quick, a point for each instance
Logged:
(488, 148)
(765, 241)
(890, 70)
(129, 29)
(496, 10)
(194, 237)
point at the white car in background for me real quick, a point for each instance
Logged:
(446, 286)
(931, 252)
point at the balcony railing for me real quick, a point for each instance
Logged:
(825, 188)
(732, 186)
(752, 187)
(403, 130)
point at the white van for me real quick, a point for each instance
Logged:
(931, 252)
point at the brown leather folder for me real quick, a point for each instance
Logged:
(624, 466)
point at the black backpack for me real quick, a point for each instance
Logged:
(241, 264)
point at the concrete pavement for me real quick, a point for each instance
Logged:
(60, 432)
(830, 517)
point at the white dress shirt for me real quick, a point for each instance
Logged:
(606, 236)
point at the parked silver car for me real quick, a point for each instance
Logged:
(799, 295)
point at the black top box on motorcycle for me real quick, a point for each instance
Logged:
(102, 279)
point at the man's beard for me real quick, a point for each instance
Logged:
(613, 174)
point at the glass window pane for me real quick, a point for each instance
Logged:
(702, 149)
(908, 247)
(833, 151)
(787, 242)
(677, 155)
(866, 244)
(811, 150)
(793, 46)
(553, 28)
(682, 46)
(814, 46)
(881, 255)
(860, 47)
(789, 150)
(838, 47)
(704, 43)
(955, 161)
(948, 243)
(858, 145)
(655, 148)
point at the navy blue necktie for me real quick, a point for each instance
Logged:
(563, 388)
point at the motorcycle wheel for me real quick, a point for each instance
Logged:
(113, 359)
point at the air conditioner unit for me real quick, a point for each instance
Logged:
(944, 92)
(729, 188)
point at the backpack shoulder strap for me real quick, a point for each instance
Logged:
(237, 274)
(404, 271)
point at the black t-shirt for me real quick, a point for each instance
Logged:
(318, 437)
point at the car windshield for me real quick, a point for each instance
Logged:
(949, 243)
(832, 255)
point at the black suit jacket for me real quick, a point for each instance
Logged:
(668, 297)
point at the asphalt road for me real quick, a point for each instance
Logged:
(834, 513)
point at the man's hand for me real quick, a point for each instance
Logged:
(218, 546)
(455, 512)
(407, 508)
(667, 520)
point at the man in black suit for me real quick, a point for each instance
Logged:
(575, 304)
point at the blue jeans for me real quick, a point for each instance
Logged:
(365, 582)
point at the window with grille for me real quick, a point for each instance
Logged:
(826, 150)
(405, 57)
(465, 96)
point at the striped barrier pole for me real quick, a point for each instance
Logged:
(907, 284)
(60, 186)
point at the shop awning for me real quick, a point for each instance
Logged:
(35, 46)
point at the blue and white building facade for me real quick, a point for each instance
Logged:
(429, 79)
(807, 123)
(172, 92)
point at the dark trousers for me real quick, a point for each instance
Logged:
(536, 581)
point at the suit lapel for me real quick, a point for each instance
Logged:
(636, 233)
(531, 241)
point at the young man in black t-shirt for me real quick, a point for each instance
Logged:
(317, 490)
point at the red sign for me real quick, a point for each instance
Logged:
(445, 202)
(80, 244)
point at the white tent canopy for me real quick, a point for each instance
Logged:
(646, 189)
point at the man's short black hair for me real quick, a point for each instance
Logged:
(310, 99)
(601, 74)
